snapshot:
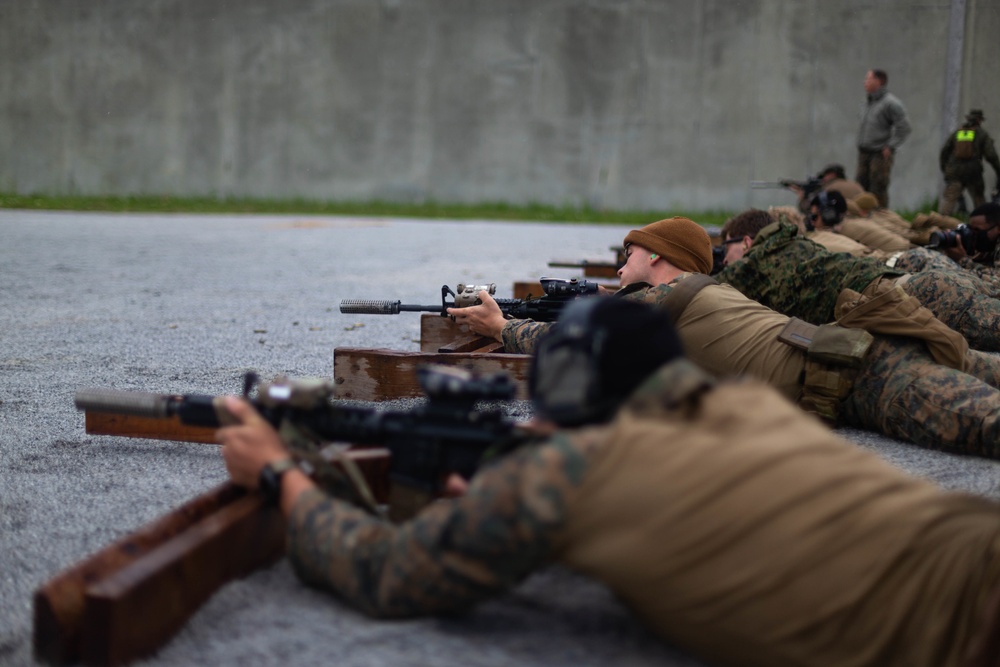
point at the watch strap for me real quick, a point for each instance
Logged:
(270, 478)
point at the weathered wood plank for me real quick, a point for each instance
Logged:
(134, 610)
(438, 332)
(124, 601)
(100, 423)
(591, 268)
(527, 289)
(478, 344)
(372, 374)
(59, 604)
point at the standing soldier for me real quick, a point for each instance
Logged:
(884, 126)
(961, 162)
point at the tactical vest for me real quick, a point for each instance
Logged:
(965, 144)
(832, 354)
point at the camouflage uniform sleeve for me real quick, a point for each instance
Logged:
(455, 553)
(984, 269)
(656, 295)
(520, 336)
(740, 275)
(968, 264)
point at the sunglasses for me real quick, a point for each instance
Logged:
(731, 241)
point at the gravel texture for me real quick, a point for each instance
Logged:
(187, 304)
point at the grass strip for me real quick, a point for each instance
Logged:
(428, 209)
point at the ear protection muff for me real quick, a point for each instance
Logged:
(565, 378)
(595, 356)
(828, 212)
(832, 207)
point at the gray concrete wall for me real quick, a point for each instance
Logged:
(653, 104)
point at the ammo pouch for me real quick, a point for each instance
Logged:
(833, 356)
(884, 308)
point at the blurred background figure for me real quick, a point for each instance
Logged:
(884, 126)
(961, 162)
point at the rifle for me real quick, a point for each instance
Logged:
(445, 434)
(546, 308)
(808, 187)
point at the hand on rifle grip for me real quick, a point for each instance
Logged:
(249, 443)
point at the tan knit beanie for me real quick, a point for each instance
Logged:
(866, 201)
(682, 242)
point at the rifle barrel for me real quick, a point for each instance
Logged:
(375, 307)
(134, 403)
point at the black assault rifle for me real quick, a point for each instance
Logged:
(546, 308)
(445, 434)
(809, 186)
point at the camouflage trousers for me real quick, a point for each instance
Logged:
(904, 394)
(924, 259)
(873, 174)
(958, 301)
(962, 178)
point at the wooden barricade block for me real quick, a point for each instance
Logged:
(591, 268)
(125, 601)
(75, 616)
(441, 334)
(527, 289)
(620, 257)
(372, 374)
(102, 423)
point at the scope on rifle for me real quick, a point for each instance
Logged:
(949, 238)
(447, 383)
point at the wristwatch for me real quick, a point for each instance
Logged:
(269, 482)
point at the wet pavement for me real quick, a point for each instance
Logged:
(188, 304)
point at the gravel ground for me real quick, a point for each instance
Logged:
(187, 304)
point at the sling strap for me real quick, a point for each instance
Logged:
(683, 292)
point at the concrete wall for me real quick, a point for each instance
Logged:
(621, 104)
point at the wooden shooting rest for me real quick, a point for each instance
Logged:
(123, 602)
(594, 268)
(375, 374)
(591, 268)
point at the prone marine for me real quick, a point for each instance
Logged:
(735, 525)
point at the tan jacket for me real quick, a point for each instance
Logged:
(726, 333)
(872, 234)
(745, 532)
(835, 242)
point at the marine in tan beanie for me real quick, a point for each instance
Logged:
(866, 202)
(682, 242)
